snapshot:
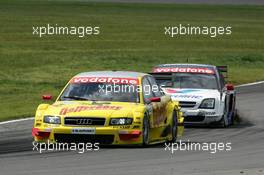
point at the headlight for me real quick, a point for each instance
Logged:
(52, 119)
(121, 121)
(208, 103)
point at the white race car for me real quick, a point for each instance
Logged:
(201, 90)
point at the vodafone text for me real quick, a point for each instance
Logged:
(185, 70)
(105, 80)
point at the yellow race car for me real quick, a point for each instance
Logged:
(109, 107)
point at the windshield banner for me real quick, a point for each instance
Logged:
(110, 80)
(185, 70)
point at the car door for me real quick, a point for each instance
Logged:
(160, 105)
(147, 94)
(225, 94)
(155, 109)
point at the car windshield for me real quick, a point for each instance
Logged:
(190, 80)
(100, 92)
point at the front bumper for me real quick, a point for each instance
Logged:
(111, 135)
(200, 116)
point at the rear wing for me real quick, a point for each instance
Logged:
(223, 70)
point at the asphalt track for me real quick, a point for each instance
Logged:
(246, 156)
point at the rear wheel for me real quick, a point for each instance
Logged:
(145, 131)
(174, 129)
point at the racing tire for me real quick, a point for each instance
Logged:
(234, 112)
(174, 128)
(224, 121)
(145, 131)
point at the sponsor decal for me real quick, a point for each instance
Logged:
(67, 110)
(181, 91)
(83, 131)
(187, 96)
(111, 80)
(185, 70)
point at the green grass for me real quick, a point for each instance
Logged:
(132, 38)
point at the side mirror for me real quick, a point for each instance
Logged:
(46, 97)
(229, 87)
(154, 99)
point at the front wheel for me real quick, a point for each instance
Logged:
(145, 131)
(174, 130)
(224, 121)
(234, 112)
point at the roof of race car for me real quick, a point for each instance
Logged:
(186, 65)
(116, 74)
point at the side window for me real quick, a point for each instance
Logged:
(146, 88)
(222, 81)
(154, 87)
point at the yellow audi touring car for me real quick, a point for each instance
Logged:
(109, 107)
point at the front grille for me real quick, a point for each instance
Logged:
(84, 138)
(84, 121)
(194, 118)
(187, 104)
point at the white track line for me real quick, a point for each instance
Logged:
(31, 118)
(18, 120)
(250, 84)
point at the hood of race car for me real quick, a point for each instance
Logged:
(92, 109)
(196, 95)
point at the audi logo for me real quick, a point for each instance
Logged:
(84, 121)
